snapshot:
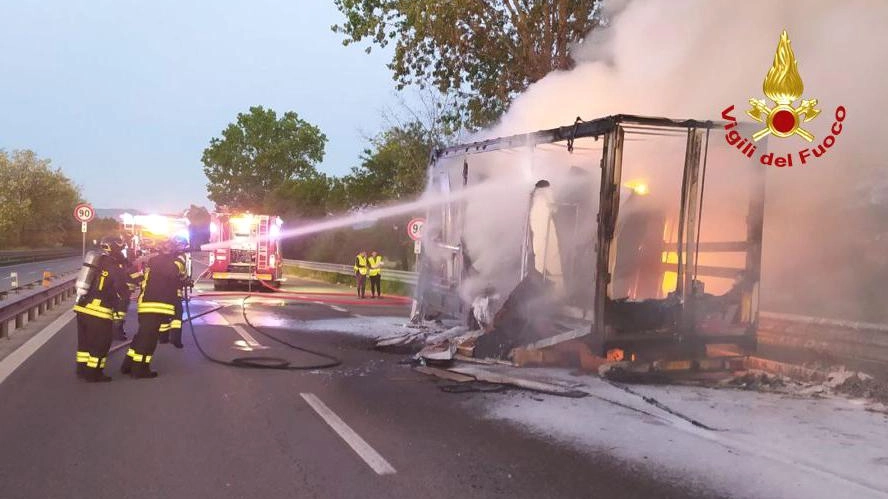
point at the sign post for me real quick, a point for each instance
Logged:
(84, 213)
(414, 230)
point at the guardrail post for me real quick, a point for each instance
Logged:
(20, 320)
(41, 308)
(32, 314)
(4, 329)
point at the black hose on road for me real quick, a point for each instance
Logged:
(259, 362)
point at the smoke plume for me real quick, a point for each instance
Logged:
(825, 226)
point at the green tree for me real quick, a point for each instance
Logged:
(484, 51)
(258, 153)
(36, 201)
(393, 168)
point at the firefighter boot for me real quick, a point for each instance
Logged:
(176, 338)
(81, 370)
(127, 366)
(95, 375)
(142, 370)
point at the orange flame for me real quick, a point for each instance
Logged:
(783, 83)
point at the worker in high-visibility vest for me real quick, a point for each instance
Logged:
(361, 269)
(375, 273)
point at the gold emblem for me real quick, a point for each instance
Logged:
(784, 86)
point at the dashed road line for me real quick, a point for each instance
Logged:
(358, 444)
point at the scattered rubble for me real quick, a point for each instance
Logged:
(863, 386)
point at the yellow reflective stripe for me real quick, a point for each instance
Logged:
(102, 280)
(119, 315)
(95, 313)
(164, 328)
(102, 362)
(82, 357)
(95, 362)
(137, 357)
(156, 304)
(176, 324)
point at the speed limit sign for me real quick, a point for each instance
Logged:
(84, 213)
(414, 228)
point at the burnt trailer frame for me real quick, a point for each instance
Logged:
(612, 129)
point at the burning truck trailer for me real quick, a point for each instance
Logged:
(641, 239)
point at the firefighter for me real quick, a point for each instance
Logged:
(375, 268)
(361, 273)
(172, 332)
(101, 296)
(133, 278)
(156, 308)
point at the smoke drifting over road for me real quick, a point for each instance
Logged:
(825, 250)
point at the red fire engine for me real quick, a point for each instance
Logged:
(246, 249)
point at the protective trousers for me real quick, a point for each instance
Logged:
(376, 285)
(176, 326)
(362, 284)
(93, 343)
(171, 332)
(138, 357)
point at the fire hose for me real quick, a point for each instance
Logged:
(257, 362)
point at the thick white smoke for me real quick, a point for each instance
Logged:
(692, 59)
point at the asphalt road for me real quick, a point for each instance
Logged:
(204, 430)
(30, 272)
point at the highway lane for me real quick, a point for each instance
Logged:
(208, 430)
(33, 271)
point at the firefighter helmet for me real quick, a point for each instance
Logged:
(112, 245)
(179, 243)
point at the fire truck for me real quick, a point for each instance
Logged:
(245, 249)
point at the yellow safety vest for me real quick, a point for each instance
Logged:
(361, 265)
(375, 265)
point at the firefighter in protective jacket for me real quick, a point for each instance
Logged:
(172, 331)
(156, 307)
(101, 296)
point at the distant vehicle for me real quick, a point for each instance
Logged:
(252, 251)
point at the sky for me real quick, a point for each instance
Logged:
(124, 95)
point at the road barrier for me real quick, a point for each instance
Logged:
(25, 256)
(336, 268)
(17, 313)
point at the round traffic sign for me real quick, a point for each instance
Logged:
(414, 228)
(84, 212)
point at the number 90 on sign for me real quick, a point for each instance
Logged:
(84, 213)
(414, 228)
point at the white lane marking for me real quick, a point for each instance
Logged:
(338, 308)
(249, 340)
(22, 353)
(358, 444)
(246, 336)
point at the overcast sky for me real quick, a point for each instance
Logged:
(124, 95)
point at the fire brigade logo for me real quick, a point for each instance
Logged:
(784, 86)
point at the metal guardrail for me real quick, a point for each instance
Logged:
(25, 256)
(336, 268)
(15, 314)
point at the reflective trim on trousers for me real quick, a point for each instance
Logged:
(82, 357)
(95, 362)
(137, 357)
